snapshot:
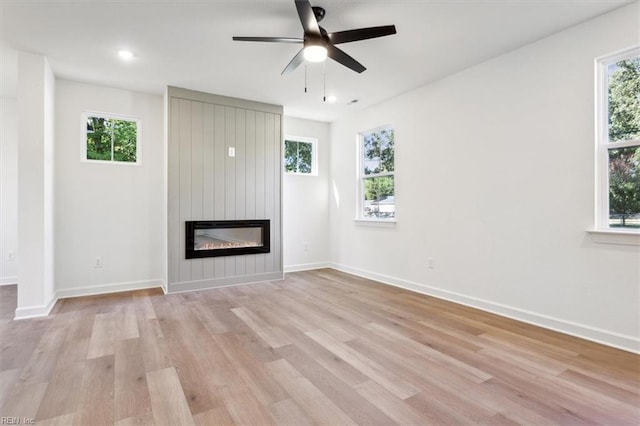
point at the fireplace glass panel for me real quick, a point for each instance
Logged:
(225, 238)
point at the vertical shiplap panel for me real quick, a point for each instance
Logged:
(206, 184)
(208, 195)
(185, 182)
(197, 189)
(219, 178)
(174, 252)
(250, 179)
(230, 183)
(277, 185)
(270, 191)
(259, 178)
(240, 211)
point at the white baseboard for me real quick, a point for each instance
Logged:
(223, 282)
(605, 337)
(8, 280)
(109, 288)
(35, 311)
(306, 266)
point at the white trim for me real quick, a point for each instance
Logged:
(108, 288)
(605, 337)
(306, 267)
(376, 223)
(602, 144)
(314, 154)
(181, 287)
(8, 280)
(615, 236)
(108, 115)
(35, 311)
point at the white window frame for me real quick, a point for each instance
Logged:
(602, 232)
(83, 137)
(314, 154)
(360, 177)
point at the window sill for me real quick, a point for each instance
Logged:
(377, 223)
(300, 174)
(611, 236)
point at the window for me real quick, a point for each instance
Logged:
(618, 142)
(300, 155)
(376, 197)
(110, 138)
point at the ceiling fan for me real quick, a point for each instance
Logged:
(318, 44)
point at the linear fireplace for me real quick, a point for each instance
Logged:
(226, 238)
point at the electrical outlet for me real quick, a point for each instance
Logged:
(97, 262)
(431, 263)
(11, 256)
(232, 151)
(305, 246)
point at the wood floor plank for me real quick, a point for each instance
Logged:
(287, 412)
(250, 372)
(388, 403)
(131, 392)
(306, 395)
(363, 364)
(24, 400)
(62, 420)
(215, 416)
(442, 359)
(103, 335)
(320, 347)
(335, 388)
(142, 420)
(328, 360)
(169, 404)
(64, 391)
(243, 406)
(272, 335)
(8, 379)
(96, 403)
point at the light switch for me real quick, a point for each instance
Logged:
(232, 151)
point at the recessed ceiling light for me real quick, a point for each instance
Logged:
(125, 55)
(331, 99)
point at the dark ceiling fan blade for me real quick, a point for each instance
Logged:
(307, 18)
(346, 60)
(270, 39)
(361, 34)
(294, 63)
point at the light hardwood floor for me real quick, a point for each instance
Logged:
(320, 347)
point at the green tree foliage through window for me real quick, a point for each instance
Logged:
(298, 157)
(378, 152)
(110, 139)
(624, 125)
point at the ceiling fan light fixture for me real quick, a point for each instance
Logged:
(315, 53)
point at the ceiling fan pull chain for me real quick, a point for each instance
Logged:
(324, 82)
(305, 78)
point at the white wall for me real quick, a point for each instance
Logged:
(495, 182)
(8, 190)
(8, 164)
(113, 211)
(36, 94)
(306, 203)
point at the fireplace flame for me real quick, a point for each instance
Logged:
(225, 244)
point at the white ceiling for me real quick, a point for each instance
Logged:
(188, 44)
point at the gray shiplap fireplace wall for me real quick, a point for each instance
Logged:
(205, 183)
